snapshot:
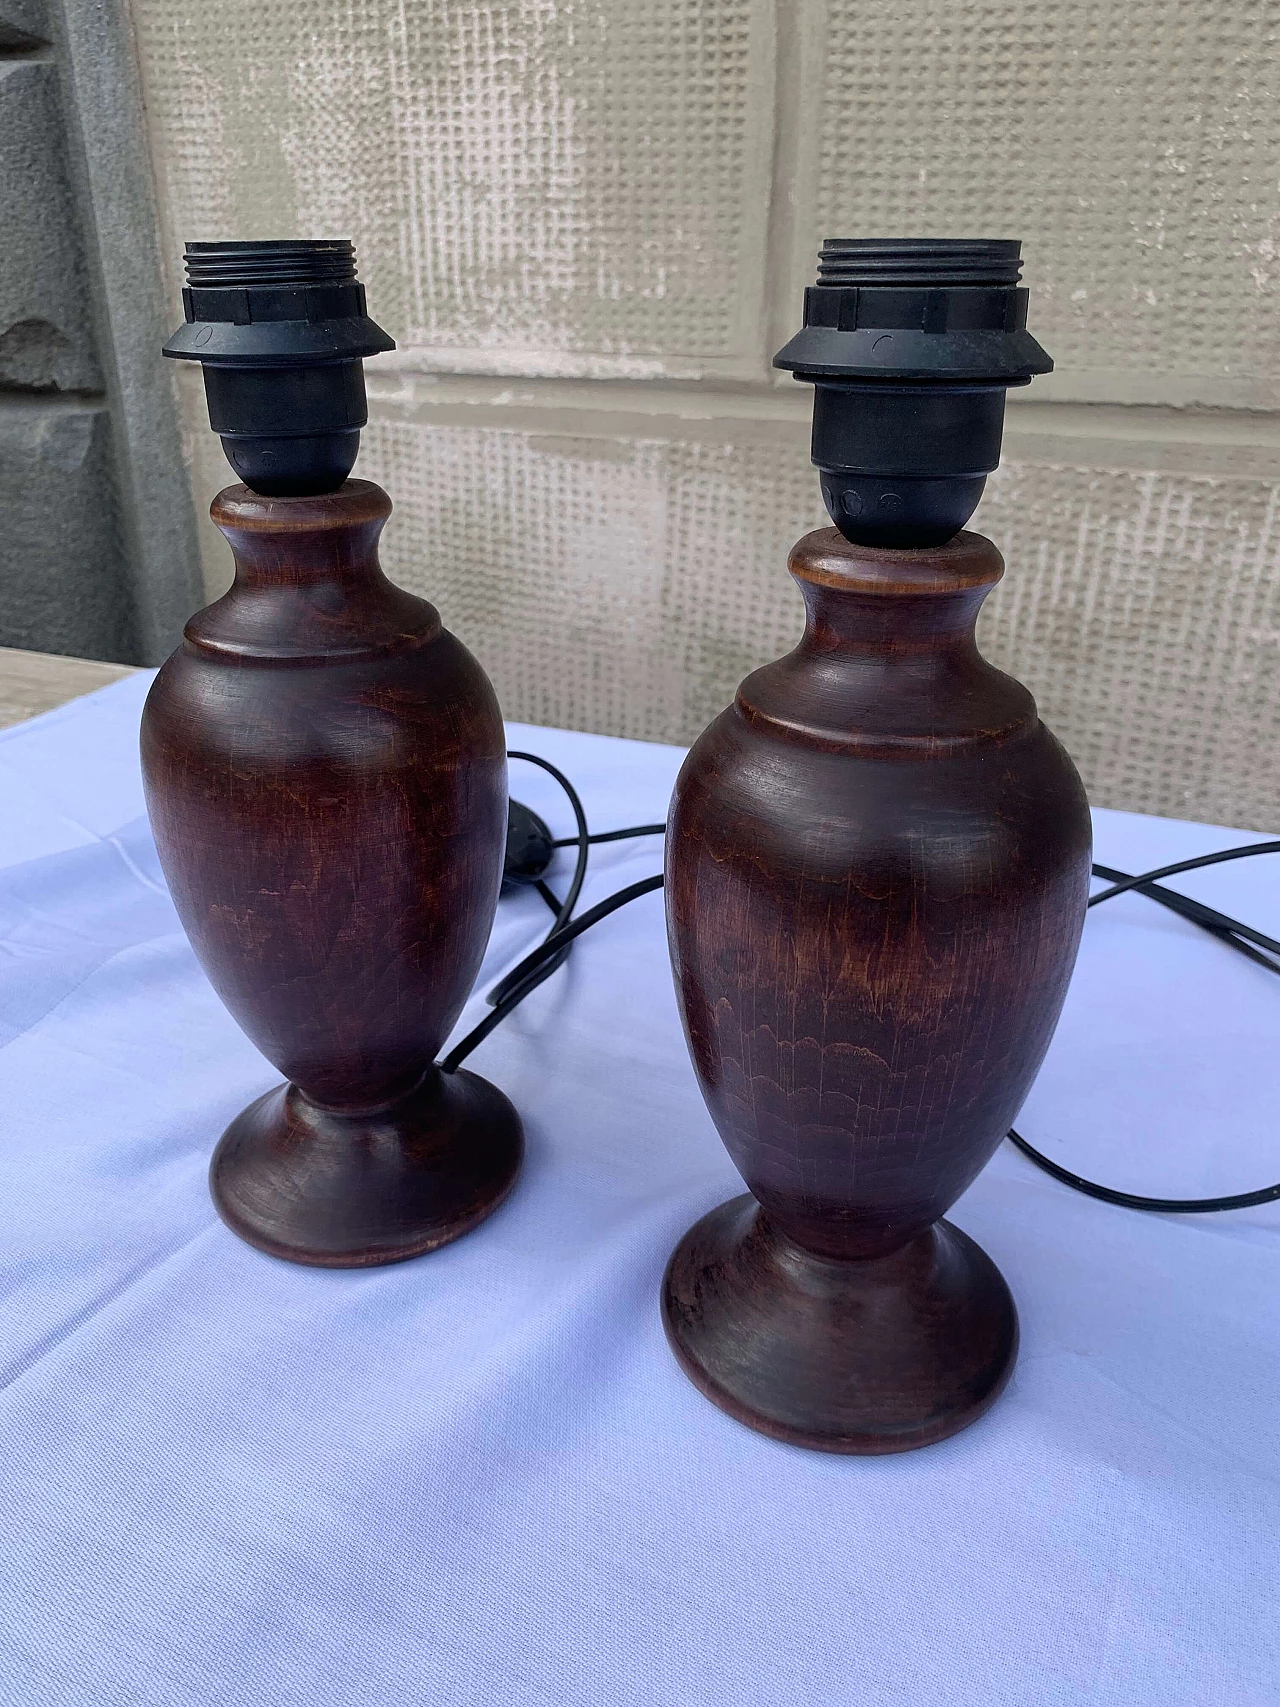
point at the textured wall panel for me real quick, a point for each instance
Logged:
(607, 584)
(532, 185)
(628, 586)
(1144, 610)
(583, 187)
(1132, 146)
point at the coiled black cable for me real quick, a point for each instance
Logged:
(1245, 940)
(507, 995)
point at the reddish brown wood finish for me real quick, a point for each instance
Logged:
(326, 778)
(877, 868)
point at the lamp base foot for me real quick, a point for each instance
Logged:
(880, 1354)
(336, 1190)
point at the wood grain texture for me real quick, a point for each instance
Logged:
(326, 779)
(868, 1356)
(877, 869)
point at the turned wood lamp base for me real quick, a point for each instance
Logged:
(874, 1355)
(337, 1190)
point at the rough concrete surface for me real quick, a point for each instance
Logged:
(63, 587)
(115, 571)
(110, 170)
(46, 341)
(23, 24)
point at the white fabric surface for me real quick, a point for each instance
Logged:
(480, 1477)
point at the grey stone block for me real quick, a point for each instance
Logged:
(46, 342)
(97, 540)
(111, 173)
(23, 24)
(62, 586)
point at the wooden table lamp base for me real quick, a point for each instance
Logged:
(867, 1355)
(326, 777)
(877, 869)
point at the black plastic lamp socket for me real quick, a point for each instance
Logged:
(281, 330)
(910, 344)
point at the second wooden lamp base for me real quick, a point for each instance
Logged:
(877, 867)
(877, 871)
(872, 1356)
(878, 864)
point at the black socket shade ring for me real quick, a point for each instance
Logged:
(281, 329)
(910, 344)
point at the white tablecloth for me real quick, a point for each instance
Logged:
(480, 1477)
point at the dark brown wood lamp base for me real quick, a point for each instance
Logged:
(326, 777)
(877, 869)
(346, 1190)
(870, 1355)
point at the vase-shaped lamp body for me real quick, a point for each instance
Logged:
(326, 779)
(877, 869)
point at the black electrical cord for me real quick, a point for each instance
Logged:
(1217, 924)
(1237, 936)
(507, 994)
(614, 835)
(1243, 938)
(563, 910)
(521, 977)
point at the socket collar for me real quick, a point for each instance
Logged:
(916, 308)
(910, 345)
(274, 304)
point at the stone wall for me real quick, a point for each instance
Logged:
(588, 222)
(98, 553)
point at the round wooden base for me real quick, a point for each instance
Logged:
(352, 1191)
(877, 1355)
